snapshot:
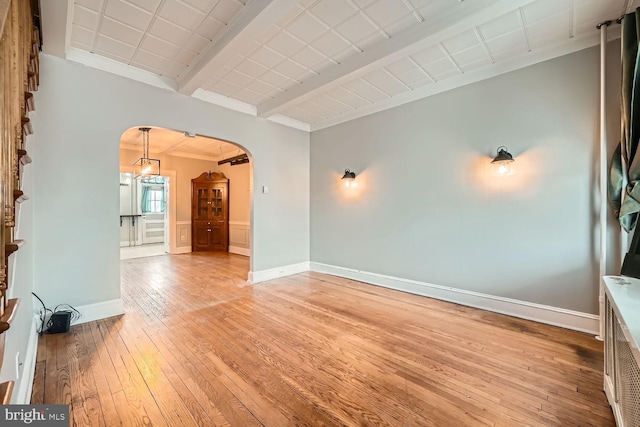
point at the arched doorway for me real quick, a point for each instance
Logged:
(184, 156)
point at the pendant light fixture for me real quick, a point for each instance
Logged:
(146, 168)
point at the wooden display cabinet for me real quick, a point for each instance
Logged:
(210, 212)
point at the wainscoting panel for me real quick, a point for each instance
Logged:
(239, 238)
(183, 234)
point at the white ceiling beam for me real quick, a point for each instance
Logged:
(56, 26)
(465, 17)
(253, 20)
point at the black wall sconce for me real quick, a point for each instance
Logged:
(349, 178)
(502, 161)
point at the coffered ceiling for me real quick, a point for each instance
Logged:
(314, 63)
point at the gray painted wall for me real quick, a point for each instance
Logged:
(82, 113)
(429, 207)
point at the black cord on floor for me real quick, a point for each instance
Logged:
(43, 314)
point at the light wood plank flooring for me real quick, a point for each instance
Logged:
(199, 346)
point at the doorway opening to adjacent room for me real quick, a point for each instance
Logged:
(157, 210)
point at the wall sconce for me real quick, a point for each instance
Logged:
(502, 161)
(349, 178)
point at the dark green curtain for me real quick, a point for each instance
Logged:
(625, 165)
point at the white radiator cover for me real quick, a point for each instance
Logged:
(622, 355)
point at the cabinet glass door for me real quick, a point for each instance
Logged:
(203, 203)
(217, 202)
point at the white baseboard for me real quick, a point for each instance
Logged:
(181, 250)
(100, 310)
(569, 319)
(275, 273)
(240, 251)
(24, 386)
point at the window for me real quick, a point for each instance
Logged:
(152, 199)
(156, 201)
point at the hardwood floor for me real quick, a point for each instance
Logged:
(199, 346)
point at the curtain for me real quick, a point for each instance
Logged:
(146, 199)
(625, 165)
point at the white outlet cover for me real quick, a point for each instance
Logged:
(17, 365)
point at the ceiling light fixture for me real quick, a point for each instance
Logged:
(236, 160)
(146, 168)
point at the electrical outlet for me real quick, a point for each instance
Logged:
(18, 365)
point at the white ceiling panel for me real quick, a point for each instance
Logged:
(289, 69)
(327, 61)
(402, 24)
(428, 55)
(333, 12)
(261, 88)
(196, 43)
(173, 69)
(439, 67)
(274, 78)
(128, 14)
(238, 78)
(330, 44)
(82, 46)
(167, 30)
(225, 10)
(181, 14)
(252, 68)
(158, 46)
(366, 90)
(333, 104)
(267, 57)
(203, 6)
(226, 88)
(112, 56)
(356, 28)
(542, 9)
(503, 24)
(285, 43)
(121, 32)
(555, 26)
(185, 56)
(461, 42)
(83, 36)
(470, 56)
(210, 28)
(386, 82)
(348, 97)
(95, 5)
(115, 47)
(150, 60)
(306, 28)
(308, 58)
(86, 18)
(386, 12)
(148, 5)
(514, 41)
